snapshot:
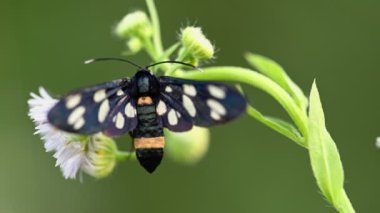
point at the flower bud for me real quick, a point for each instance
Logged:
(136, 24)
(134, 45)
(187, 147)
(100, 156)
(196, 44)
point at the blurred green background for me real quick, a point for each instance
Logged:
(249, 168)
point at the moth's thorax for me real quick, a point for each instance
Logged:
(146, 83)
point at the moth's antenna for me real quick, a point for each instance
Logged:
(173, 62)
(112, 59)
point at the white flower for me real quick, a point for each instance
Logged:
(40, 105)
(69, 154)
(71, 157)
(94, 155)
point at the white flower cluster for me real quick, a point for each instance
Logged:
(71, 151)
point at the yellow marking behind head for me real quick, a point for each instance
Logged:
(145, 100)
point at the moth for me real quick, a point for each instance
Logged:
(143, 105)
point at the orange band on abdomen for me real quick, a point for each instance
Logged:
(147, 143)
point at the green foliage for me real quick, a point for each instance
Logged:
(324, 156)
(306, 130)
(329, 160)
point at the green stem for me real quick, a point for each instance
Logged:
(247, 76)
(150, 49)
(125, 155)
(183, 53)
(156, 26)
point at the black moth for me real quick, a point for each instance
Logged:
(143, 105)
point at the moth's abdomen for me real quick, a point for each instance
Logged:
(149, 152)
(149, 125)
(148, 136)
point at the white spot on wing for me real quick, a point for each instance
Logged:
(79, 124)
(215, 115)
(120, 92)
(217, 109)
(172, 117)
(216, 91)
(130, 111)
(103, 111)
(161, 108)
(119, 121)
(72, 101)
(100, 95)
(168, 89)
(189, 89)
(189, 105)
(216, 106)
(76, 114)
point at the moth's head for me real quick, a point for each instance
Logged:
(146, 82)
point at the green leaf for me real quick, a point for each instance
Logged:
(278, 125)
(274, 71)
(325, 160)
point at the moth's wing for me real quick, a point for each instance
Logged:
(123, 118)
(173, 115)
(90, 110)
(206, 103)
